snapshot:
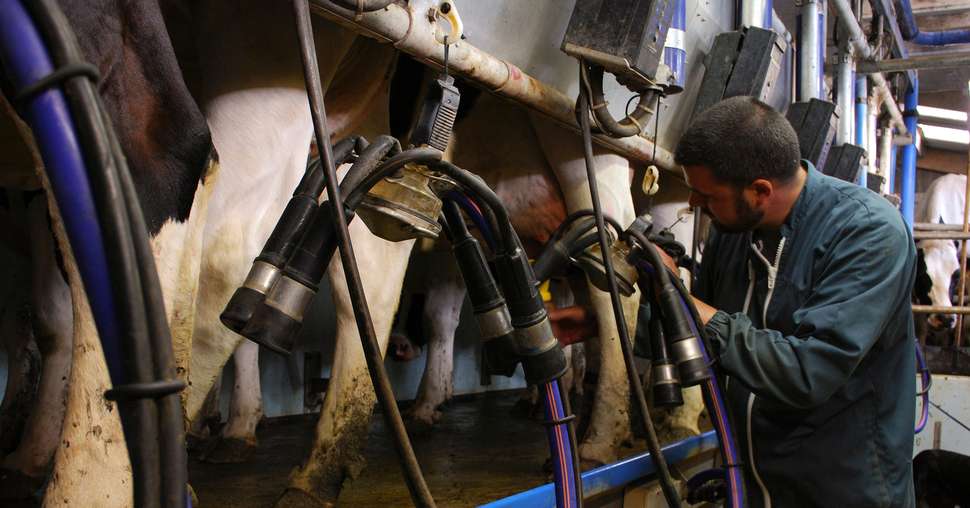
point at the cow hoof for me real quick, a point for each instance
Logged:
(19, 488)
(296, 498)
(229, 450)
(422, 420)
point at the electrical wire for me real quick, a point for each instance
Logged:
(417, 487)
(926, 381)
(653, 443)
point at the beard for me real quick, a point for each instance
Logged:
(747, 218)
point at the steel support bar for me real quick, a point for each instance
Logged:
(411, 32)
(857, 39)
(941, 235)
(926, 309)
(941, 60)
(612, 476)
(931, 226)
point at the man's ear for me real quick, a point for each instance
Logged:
(762, 188)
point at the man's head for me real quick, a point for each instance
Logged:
(739, 156)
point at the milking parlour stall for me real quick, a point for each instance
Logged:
(612, 253)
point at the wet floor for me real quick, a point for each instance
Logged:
(479, 452)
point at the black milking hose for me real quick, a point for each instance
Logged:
(140, 414)
(653, 443)
(591, 79)
(418, 488)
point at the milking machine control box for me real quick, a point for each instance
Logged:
(625, 37)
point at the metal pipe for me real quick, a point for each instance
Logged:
(810, 55)
(756, 13)
(858, 42)
(411, 32)
(940, 235)
(963, 248)
(885, 159)
(872, 129)
(908, 185)
(845, 133)
(911, 32)
(861, 123)
(940, 60)
(940, 309)
(932, 226)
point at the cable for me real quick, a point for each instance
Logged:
(418, 488)
(927, 381)
(653, 443)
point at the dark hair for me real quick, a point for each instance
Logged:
(741, 139)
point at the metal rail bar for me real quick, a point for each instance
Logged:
(941, 235)
(932, 226)
(412, 33)
(940, 309)
(941, 60)
(963, 246)
(613, 476)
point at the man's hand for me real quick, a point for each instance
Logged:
(667, 260)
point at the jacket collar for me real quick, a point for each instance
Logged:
(805, 198)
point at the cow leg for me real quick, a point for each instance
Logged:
(255, 102)
(441, 314)
(23, 370)
(209, 421)
(609, 425)
(349, 401)
(238, 438)
(53, 326)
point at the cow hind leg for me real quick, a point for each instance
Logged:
(237, 441)
(609, 425)
(442, 311)
(345, 417)
(52, 321)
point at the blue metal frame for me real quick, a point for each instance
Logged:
(612, 476)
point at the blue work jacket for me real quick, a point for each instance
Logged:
(820, 366)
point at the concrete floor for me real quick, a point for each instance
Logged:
(478, 453)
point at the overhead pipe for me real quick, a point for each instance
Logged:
(886, 159)
(861, 123)
(811, 51)
(756, 13)
(908, 185)
(917, 61)
(844, 99)
(858, 42)
(911, 32)
(407, 28)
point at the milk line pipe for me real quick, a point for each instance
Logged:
(911, 32)
(398, 26)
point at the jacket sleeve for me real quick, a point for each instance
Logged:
(706, 278)
(859, 283)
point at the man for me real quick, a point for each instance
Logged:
(805, 293)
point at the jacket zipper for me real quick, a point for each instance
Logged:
(772, 276)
